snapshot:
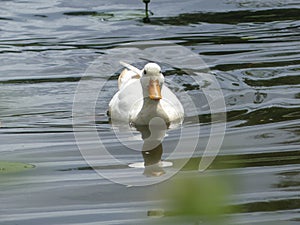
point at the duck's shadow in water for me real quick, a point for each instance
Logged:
(152, 150)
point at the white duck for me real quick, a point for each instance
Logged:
(142, 97)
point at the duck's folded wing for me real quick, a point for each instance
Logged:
(123, 101)
(126, 76)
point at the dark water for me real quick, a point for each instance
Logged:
(251, 47)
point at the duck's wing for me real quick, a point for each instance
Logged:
(126, 76)
(124, 100)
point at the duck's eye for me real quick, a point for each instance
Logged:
(145, 72)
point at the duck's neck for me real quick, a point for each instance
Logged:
(149, 101)
(151, 109)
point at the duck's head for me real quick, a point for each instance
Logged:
(152, 81)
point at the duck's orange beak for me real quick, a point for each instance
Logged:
(154, 90)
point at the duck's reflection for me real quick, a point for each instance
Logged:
(152, 161)
(152, 150)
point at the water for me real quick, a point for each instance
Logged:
(251, 47)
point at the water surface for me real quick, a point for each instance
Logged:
(251, 47)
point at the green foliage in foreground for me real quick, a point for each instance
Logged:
(13, 167)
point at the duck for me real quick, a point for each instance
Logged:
(142, 95)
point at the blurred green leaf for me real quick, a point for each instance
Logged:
(13, 167)
(200, 197)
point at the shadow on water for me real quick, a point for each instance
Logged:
(233, 17)
(152, 150)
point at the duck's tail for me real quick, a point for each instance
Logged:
(127, 75)
(132, 68)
